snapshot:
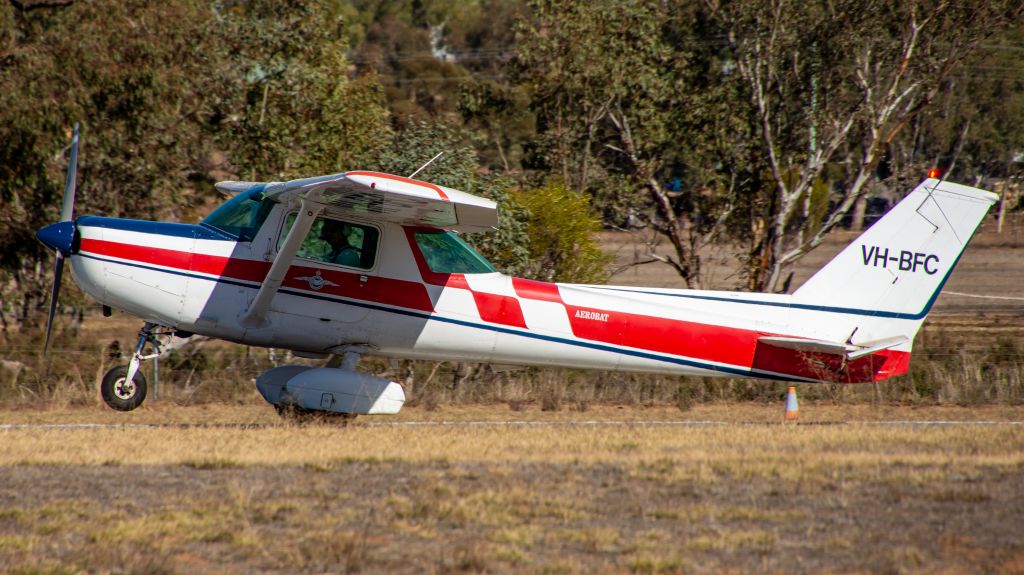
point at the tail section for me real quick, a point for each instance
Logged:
(882, 285)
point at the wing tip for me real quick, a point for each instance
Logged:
(235, 187)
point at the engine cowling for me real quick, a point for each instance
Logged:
(331, 390)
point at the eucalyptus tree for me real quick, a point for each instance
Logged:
(832, 85)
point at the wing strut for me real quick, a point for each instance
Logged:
(256, 315)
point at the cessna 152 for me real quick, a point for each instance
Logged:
(369, 263)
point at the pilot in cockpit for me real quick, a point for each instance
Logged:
(337, 235)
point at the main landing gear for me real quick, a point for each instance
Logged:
(295, 414)
(124, 387)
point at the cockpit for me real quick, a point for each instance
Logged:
(443, 251)
(241, 216)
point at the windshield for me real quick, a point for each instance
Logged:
(242, 215)
(447, 253)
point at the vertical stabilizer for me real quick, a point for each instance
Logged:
(896, 268)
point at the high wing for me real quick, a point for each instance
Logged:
(367, 195)
(384, 197)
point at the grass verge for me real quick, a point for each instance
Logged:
(554, 499)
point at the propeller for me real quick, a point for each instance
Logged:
(60, 236)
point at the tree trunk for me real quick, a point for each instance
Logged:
(860, 209)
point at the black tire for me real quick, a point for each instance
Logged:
(120, 396)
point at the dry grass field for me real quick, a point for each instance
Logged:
(610, 490)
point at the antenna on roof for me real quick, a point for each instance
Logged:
(430, 161)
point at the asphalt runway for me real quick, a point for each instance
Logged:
(479, 424)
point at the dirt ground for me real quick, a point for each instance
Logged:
(606, 491)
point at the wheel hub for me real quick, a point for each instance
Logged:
(124, 389)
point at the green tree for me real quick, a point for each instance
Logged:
(258, 89)
(977, 132)
(561, 228)
(418, 84)
(294, 111)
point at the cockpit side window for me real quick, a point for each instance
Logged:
(447, 253)
(336, 242)
(241, 216)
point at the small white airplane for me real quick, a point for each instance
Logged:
(369, 263)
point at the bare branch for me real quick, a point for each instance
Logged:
(651, 259)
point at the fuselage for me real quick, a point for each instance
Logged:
(200, 279)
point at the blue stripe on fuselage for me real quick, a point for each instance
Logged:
(197, 231)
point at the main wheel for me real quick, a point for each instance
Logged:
(121, 394)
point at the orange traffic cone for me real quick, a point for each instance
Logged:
(792, 409)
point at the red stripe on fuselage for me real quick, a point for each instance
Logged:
(401, 293)
(234, 268)
(494, 308)
(831, 367)
(532, 289)
(733, 346)
(715, 343)
(897, 363)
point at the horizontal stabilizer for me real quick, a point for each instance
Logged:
(850, 351)
(808, 345)
(872, 347)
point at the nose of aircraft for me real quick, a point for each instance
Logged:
(59, 236)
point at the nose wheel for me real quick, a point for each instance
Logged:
(121, 393)
(124, 387)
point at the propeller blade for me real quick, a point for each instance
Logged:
(58, 271)
(68, 205)
(67, 209)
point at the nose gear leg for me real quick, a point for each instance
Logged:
(146, 334)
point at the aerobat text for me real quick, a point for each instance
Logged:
(597, 316)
